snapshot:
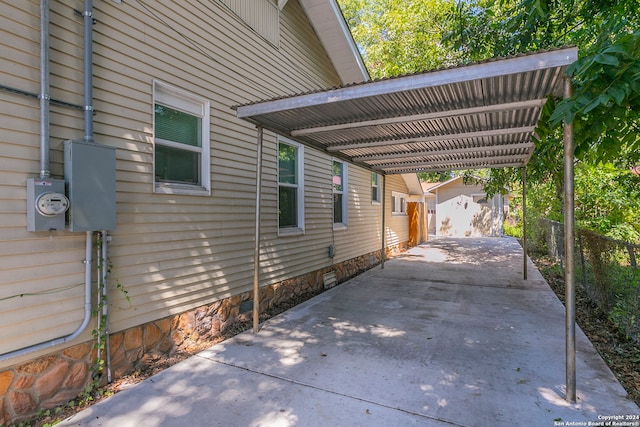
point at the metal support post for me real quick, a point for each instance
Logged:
(384, 207)
(524, 222)
(569, 249)
(256, 251)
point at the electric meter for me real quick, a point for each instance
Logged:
(52, 204)
(46, 204)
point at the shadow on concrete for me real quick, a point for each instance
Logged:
(446, 334)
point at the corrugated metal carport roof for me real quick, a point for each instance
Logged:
(474, 116)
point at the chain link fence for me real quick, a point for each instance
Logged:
(606, 269)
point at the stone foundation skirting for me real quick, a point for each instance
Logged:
(57, 378)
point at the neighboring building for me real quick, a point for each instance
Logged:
(463, 210)
(164, 80)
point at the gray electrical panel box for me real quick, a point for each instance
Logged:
(46, 204)
(90, 174)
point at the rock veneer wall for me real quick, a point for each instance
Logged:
(58, 378)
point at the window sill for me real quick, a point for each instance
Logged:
(285, 232)
(189, 190)
(398, 213)
(338, 227)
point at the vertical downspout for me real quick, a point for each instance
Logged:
(524, 222)
(44, 89)
(569, 248)
(256, 250)
(384, 225)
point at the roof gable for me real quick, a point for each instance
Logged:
(334, 34)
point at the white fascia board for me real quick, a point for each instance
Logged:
(412, 182)
(334, 34)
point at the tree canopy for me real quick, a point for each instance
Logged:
(405, 36)
(398, 37)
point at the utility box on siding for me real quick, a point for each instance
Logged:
(90, 175)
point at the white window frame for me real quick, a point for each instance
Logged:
(181, 100)
(376, 186)
(398, 203)
(287, 231)
(345, 195)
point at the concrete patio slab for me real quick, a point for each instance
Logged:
(447, 334)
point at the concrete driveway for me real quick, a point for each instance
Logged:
(447, 334)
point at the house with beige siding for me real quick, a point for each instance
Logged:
(456, 208)
(124, 167)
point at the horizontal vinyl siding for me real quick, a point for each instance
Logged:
(397, 226)
(41, 274)
(364, 226)
(287, 256)
(171, 253)
(174, 253)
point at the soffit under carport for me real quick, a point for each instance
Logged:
(481, 115)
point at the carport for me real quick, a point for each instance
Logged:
(481, 115)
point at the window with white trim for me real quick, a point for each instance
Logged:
(181, 153)
(290, 185)
(398, 203)
(340, 193)
(375, 187)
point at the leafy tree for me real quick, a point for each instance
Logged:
(607, 200)
(606, 102)
(604, 108)
(400, 36)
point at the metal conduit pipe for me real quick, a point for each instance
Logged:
(44, 161)
(99, 303)
(87, 311)
(105, 268)
(87, 15)
(44, 89)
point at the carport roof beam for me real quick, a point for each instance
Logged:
(510, 106)
(435, 138)
(496, 160)
(480, 149)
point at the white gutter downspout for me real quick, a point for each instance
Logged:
(44, 171)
